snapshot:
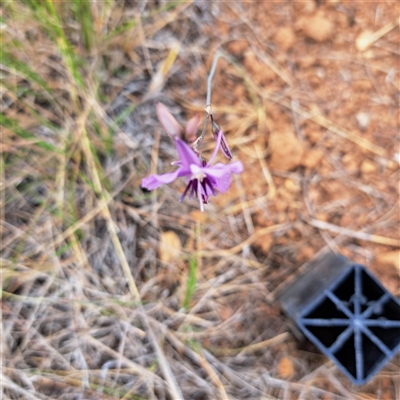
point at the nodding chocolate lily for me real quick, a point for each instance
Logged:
(224, 144)
(203, 179)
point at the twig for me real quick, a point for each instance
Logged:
(9, 384)
(354, 234)
(247, 242)
(253, 347)
(228, 373)
(214, 377)
(145, 49)
(367, 39)
(164, 366)
(310, 208)
(267, 175)
(272, 64)
(245, 210)
(200, 360)
(133, 366)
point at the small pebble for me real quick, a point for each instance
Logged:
(318, 28)
(285, 37)
(368, 167)
(321, 73)
(363, 119)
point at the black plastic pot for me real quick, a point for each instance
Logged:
(347, 313)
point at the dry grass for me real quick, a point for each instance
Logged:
(90, 309)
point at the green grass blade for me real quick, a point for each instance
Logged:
(191, 283)
(13, 126)
(83, 14)
(126, 26)
(49, 18)
(122, 116)
(12, 63)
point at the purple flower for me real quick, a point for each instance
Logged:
(203, 178)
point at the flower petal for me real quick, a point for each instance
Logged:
(154, 181)
(222, 174)
(191, 128)
(223, 183)
(168, 121)
(186, 155)
(218, 170)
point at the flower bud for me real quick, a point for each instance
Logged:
(224, 144)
